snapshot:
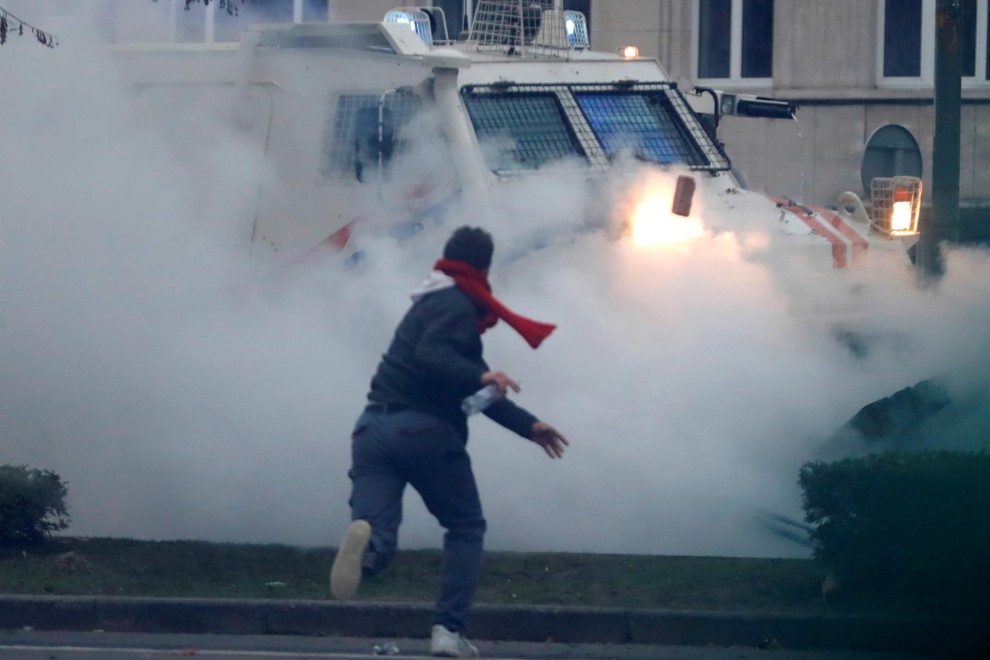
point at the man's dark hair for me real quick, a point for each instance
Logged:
(472, 245)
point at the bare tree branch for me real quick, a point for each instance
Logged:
(229, 5)
(12, 24)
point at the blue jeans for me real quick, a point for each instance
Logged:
(389, 450)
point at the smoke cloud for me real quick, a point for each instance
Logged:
(146, 358)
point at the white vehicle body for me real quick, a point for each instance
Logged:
(499, 111)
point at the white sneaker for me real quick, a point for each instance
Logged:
(448, 644)
(345, 576)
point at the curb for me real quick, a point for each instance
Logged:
(493, 622)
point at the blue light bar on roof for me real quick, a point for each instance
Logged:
(418, 21)
(577, 29)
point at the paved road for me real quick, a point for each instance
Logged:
(40, 645)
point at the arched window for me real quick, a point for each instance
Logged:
(890, 151)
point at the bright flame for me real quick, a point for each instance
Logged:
(630, 52)
(654, 224)
(900, 218)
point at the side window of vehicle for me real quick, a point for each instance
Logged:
(374, 139)
(365, 131)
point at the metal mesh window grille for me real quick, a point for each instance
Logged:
(886, 193)
(342, 132)
(525, 25)
(520, 130)
(576, 27)
(653, 121)
(507, 22)
(596, 121)
(644, 124)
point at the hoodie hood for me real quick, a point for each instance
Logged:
(435, 281)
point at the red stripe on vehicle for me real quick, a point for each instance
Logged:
(860, 245)
(839, 246)
(338, 240)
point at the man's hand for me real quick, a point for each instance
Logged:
(501, 381)
(549, 438)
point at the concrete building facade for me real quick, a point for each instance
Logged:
(853, 67)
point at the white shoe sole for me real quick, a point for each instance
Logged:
(445, 644)
(345, 575)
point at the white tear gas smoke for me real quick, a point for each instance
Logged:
(141, 363)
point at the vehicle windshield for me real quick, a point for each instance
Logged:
(643, 123)
(523, 127)
(522, 131)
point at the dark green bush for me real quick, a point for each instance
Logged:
(914, 526)
(32, 504)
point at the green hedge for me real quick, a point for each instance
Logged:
(914, 526)
(32, 504)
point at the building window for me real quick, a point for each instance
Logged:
(968, 30)
(908, 37)
(902, 38)
(734, 39)
(986, 42)
(211, 22)
(454, 15)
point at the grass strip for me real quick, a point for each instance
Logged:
(197, 569)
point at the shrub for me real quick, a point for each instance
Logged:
(32, 504)
(914, 526)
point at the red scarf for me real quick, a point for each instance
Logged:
(475, 284)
